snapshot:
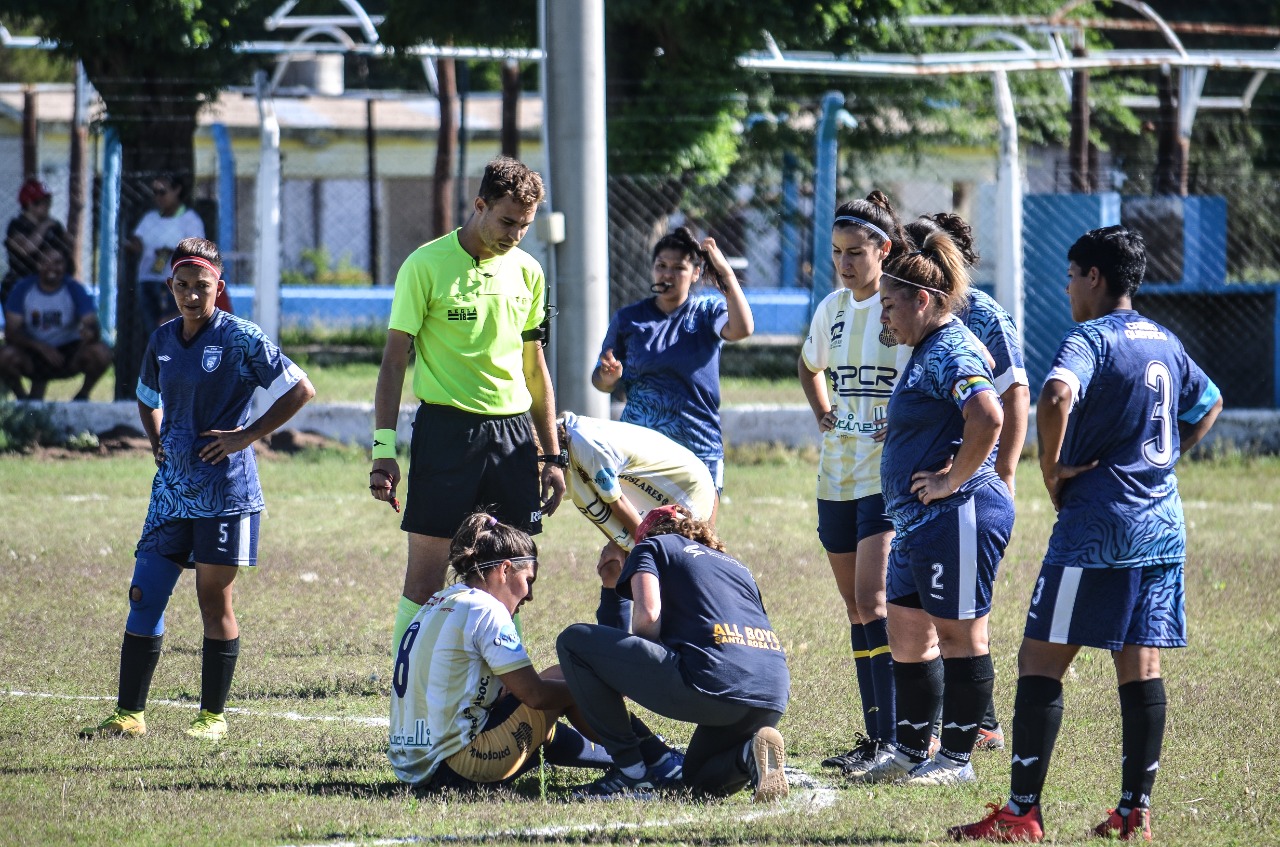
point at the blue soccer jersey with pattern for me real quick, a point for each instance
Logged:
(201, 384)
(671, 369)
(1131, 383)
(926, 424)
(994, 327)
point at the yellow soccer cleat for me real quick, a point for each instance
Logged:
(208, 726)
(122, 723)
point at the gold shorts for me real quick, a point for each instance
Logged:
(499, 752)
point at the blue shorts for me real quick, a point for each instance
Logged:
(948, 563)
(843, 523)
(1108, 608)
(224, 540)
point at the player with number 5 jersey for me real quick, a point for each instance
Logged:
(195, 392)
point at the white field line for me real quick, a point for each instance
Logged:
(806, 800)
(813, 796)
(288, 716)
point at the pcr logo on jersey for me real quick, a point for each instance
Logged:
(211, 359)
(913, 376)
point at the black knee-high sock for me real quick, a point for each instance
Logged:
(862, 672)
(1142, 711)
(217, 666)
(139, 655)
(965, 697)
(570, 748)
(919, 688)
(1037, 717)
(652, 746)
(877, 632)
(989, 720)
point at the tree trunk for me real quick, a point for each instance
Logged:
(511, 109)
(446, 151)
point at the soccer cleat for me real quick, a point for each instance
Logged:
(933, 772)
(857, 768)
(122, 723)
(990, 739)
(765, 762)
(668, 772)
(208, 726)
(615, 785)
(863, 749)
(887, 767)
(1003, 826)
(1135, 825)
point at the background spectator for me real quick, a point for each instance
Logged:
(28, 233)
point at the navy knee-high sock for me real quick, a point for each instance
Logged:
(919, 687)
(217, 666)
(1142, 714)
(862, 671)
(877, 632)
(614, 610)
(571, 748)
(965, 697)
(139, 655)
(1037, 717)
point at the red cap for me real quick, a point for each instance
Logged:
(32, 191)
(653, 518)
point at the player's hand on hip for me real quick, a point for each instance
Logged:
(552, 488)
(383, 480)
(224, 443)
(1056, 475)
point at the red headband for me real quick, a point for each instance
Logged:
(196, 260)
(653, 518)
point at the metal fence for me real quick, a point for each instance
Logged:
(1214, 256)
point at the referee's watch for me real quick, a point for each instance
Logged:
(560, 459)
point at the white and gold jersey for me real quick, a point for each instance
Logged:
(844, 340)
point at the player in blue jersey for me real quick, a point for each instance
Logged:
(993, 326)
(952, 517)
(195, 391)
(1121, 403)
(701, 651)
(665, 350)
(847, 369)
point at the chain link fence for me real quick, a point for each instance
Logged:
(1214, 255)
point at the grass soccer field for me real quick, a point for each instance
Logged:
(304, 761)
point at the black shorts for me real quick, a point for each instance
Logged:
(842, 524)
(42, 370)
(459, 461)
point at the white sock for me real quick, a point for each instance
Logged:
(635, 771)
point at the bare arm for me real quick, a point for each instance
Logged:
(1016, 401)
(151, 420)
(1052, 410)
(1191, 434)
(386, 409)
(607, 372)
(537, 692)
(646, 608)
(982, 420)
(741, 322)
(543, 412)
(814, 386)
(226, 442)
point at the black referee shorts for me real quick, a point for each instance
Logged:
(460, 461)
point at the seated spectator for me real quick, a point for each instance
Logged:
(51, 330)
(28, 233)
(615, 473)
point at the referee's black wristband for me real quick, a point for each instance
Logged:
(561, 459)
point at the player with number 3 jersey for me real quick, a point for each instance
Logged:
(1121, 403)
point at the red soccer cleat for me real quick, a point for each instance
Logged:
(1136, 824)
(1002, 825)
